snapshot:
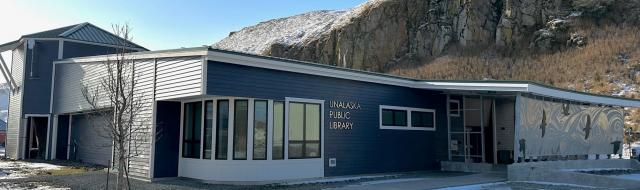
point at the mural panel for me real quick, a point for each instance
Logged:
(556, 128)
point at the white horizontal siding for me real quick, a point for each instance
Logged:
(178, 77)
(15, 105)
(156, 79)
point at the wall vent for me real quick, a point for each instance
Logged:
(332, 162)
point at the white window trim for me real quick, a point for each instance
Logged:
(457, 110)
(287, 101)
(408, 110)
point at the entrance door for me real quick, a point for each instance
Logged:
(36, 139)
(470, 120)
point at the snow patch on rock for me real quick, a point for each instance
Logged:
(289, 30)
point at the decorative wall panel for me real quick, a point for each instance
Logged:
(557, 128)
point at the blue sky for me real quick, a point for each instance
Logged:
(160, 24)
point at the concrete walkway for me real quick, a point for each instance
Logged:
(427, 182)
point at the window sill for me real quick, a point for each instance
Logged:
(408, 128)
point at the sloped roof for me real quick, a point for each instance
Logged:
(82, 32)
(290, 65)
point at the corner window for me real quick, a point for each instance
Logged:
(406, 118)
(222, 129)
(240, 129)
(304, 130)
(454, 108)
(260, 130)
(208, 129)
(191, 130)
(278, 131)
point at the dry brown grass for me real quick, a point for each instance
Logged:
(595, 68)
(592, 68)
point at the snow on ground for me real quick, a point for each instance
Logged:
(519, 185)
(19, 169)
(479, 186)
(626, 151)
(28, 185)
(628, 176)
(596, 169)
(335, 179)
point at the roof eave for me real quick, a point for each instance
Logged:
(10, 45)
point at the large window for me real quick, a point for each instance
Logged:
(222, 129)
(208, 129)
(191, 130)
(260, 130)
(405, 118)
(240, 129)
(304, 130)
(222, 126)
(278, 131)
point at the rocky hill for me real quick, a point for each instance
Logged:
(381, 33)
(405, 36)
(585, 45)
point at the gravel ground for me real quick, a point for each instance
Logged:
(97, 180)
(522, 186)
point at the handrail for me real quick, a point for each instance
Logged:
(7, 75)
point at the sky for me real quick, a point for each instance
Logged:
(158, 24)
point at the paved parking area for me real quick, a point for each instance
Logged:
(417, 180)
(420, 183)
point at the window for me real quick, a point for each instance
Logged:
(278, 131)
(208, 129)
(454, 108)
(222, 129)
(422, 119)
(191, 130)
(405, 118)
(240, 129)
(304, 130)
(260, 130)
(394, 117)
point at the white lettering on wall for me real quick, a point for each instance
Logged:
(340, 114)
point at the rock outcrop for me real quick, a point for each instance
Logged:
(381, 33)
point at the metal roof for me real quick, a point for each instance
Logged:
(527, 87)
(82, 32)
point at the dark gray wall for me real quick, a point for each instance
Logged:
(37, 90)
(90, 137)
(167, 135)
(63, 136)
(73, 49)
(365, 148)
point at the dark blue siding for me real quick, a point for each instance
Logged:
(167, 139)
(73, 49)
(37, 89)
(365, 148)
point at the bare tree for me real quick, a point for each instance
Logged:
(115, 106)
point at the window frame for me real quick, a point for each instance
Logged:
(320, 103)
(408, 110)
(456, 110)
(183, 127)
(266, 128)
(247, 126)
(281, 156)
